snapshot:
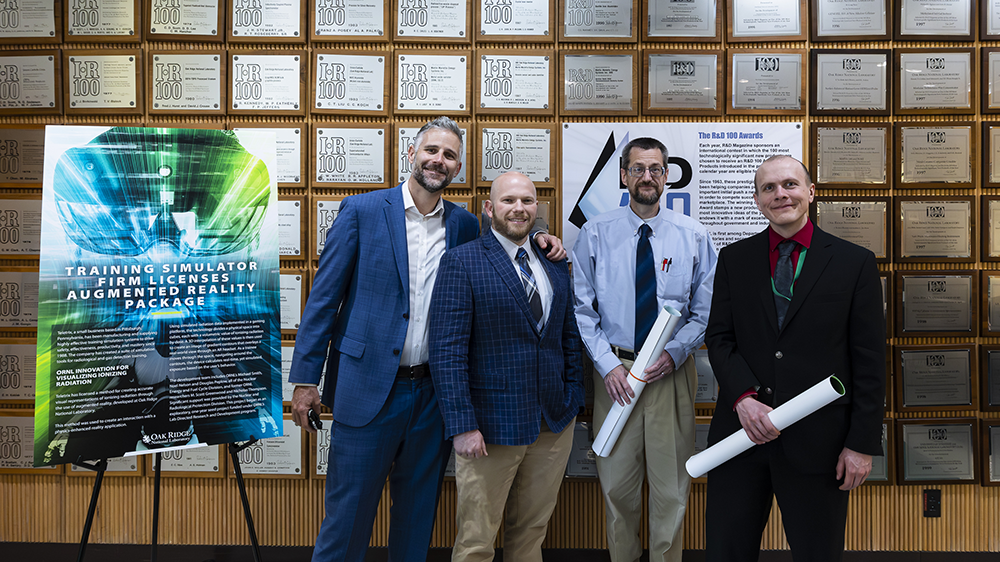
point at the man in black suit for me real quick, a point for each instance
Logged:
(792, 305)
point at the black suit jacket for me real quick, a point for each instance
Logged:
(834, 325)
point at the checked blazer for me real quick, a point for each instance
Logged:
(492, 369)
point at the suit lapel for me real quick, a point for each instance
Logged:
(759, 269)
(395, 219)
(500, 261)
(450, 225)
(558, 297)
(817, 258)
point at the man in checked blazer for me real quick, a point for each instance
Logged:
(506, 361)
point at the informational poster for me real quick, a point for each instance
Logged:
(709, 173)
(158, 291)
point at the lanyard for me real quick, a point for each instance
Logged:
(798, 271)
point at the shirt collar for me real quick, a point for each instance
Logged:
(510, 247)
(635, 222)
(803, 236)
(408, 203)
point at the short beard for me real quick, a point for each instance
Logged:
(428, 185)
(511, 232)
(642, 199)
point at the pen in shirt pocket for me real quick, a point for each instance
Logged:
(665, 266)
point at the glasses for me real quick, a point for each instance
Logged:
(639, 171)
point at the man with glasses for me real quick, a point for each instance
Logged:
(627, 264)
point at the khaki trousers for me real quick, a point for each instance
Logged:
(656, 442)
(526, 480)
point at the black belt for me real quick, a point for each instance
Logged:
(623, 353)
(414, 372)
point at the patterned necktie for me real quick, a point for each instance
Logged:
(783, 276)
(645, 288)
(528, 280)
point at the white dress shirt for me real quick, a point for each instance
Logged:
(425, 244)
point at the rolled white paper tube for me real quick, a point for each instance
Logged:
(661, 331)
(819, 395)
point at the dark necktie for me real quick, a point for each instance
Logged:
(645, 288)
(783, 276)
(528, 280)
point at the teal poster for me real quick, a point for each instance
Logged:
(158, 291)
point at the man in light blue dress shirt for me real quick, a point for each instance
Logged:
(659, 435)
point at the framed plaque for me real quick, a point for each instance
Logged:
(936, 303)
(17, 435)
(991, 452)
(467, 203)
(991, 229)
(185, 20)
(276, 457)
(292, 299)
(598, 21)
(324, 210)
(936, 377)
(847, 155)
(860, 20)
(526, 148)
(131, 465)
(273, 84)
(319, 443)
(598, 83)
(30, 82)
(357, 20)
(291, 151)
(523, 21)
(990, 368)
(20, 224)
(937, 451)
(707, 394)
(198, 461)
(883, 467)
(266, 21)
(989, 20)
(990, 81)
(106, 21)
(350, 83)
(938, 230)
(349, 154)
(406, 135)
(186, 82)
(766, 21)
(766, 82)
(932, 82)
(38, 22)
(850, 82)
(432, 20)
(22, 152)
(432, 84)
(683, 82)
(682, 20)
(17, 370)
(520, 82)
(97, 82)
(991, 305)
(885, 279)
(19, 297)
(935, 20)
(861, 220)
(292, 227)
(934, 155)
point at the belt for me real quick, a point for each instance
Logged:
(623, 353)
(414, 372)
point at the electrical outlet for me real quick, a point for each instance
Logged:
(932, 503)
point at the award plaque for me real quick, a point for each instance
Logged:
(29, 82)
(324, 211)
(19, 297)
(596, 83)
(276, 457)
(349, 155)
(936, 377)
(936, 303)
(118, 466)
(520, 82)
(991, 304)
(292, 299)
(682, 82)
(99, 82)
(406, 135)
(201, 461)
(991, 229)
(931, 82)
(934, 155)
(771, 82)
(273, 83)
(991, 452)
(20, 224)
(935, 20)
(885, 279)
(990, 391)
(291, 151)
(989, 20)
(321, 447)
(852, 154)
(882, 466)
(267, 21)
(357, 20)
(106, 21)
(991, 151)
(937, 451)
(38, 22)
(440, 21)
(859, 20)
(185, 20)
(990, 81)
(935, 230)
(766, 20)
(186, 82)
(432, 83)
(350, 83)
(17, 370)
(850, 82)
(598, 21)
(292, 227)
(287, 354)
(523, 21)
(17, 435)
(861, 220)
(526, 149)
(22, 153)
(684, 20)
(708, 387)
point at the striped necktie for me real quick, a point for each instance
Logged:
(528, 280)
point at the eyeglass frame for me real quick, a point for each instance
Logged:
(660, 171)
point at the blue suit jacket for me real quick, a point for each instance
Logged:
(359, 305)
(492, 369)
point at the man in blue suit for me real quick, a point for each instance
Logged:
(506, 361)
(366, 318)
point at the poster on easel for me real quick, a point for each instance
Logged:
(158, 291)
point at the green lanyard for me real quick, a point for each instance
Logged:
(798, 271)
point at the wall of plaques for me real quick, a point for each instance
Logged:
(899, 102)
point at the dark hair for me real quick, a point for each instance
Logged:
(642, 143)
(441, 123)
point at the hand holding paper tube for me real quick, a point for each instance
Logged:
(650, 352)
(821, 394)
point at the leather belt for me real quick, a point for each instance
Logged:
(414, 372)
(623, 353)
